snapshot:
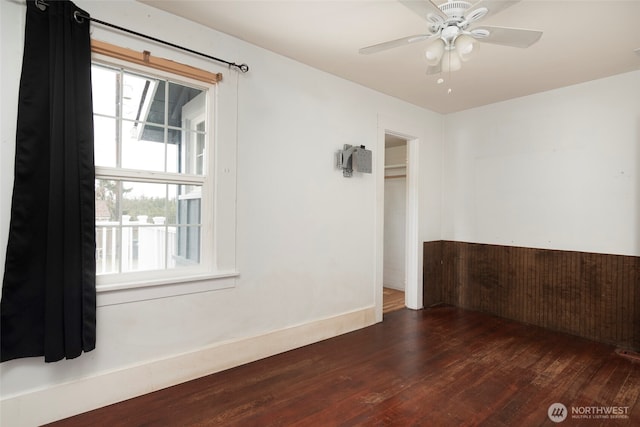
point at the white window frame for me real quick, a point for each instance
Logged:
(209, 274)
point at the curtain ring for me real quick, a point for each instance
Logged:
(41, 4)
(78, 17)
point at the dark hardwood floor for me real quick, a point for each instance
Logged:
(437, 367)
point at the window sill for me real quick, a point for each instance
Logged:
(121, 293)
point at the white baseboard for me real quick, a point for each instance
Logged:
(65, 400)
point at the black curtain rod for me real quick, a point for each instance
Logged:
(80, 16)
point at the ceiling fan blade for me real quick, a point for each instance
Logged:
(506, 36)
(423, 8)
(492, 6)
(393, 43)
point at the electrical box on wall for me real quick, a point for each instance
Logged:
(354, 158)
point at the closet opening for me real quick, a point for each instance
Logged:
(395, 229)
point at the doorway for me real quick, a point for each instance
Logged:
(395, 208)
(409, 132)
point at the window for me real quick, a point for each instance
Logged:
(154, 175)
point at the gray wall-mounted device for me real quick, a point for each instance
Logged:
(354, 158)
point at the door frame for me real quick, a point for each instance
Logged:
(413, 287)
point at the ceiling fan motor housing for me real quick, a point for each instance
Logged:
(455, 9)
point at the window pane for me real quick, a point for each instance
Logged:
(186, 248)
(144, 202)
(128, 248)
(193, 153)
(104, 82)
(144, 229)
(107, 252)
(200, 144)
(105, 144)
(180, 104)
(142, 146)
(189, 203)
(172, 203)
(157, 108)
(152, 241)
(174, 150)
(146, 205)
(173, 156)
(139, 99)
(107, 201)
(107, 227)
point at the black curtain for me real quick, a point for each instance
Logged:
(48, 305)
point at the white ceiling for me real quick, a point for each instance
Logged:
(583, 40)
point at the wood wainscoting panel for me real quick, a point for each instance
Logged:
(433, 274)
(596, 296)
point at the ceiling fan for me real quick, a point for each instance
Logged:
(451, 38)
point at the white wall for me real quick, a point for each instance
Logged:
(556, 170)
(306, 244)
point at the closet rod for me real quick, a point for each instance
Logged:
(79, 17)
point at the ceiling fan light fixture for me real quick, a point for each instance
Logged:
(434, 52)
(466, 47)
(451, 61)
